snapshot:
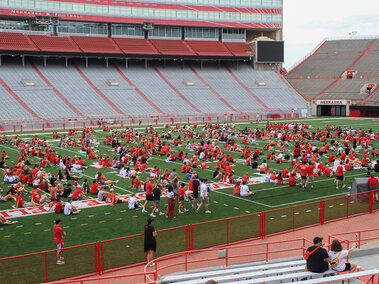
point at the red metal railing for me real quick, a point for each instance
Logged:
(217, 233)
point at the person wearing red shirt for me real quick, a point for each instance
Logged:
(340, 174)
(285, 173)
(292, 180)
(149, 194)
(303, 174)
(182, 196)
(22, 204)
(373, 185)
(310, 176)
(37, 197)
(78, 193)
(59, 234)
(113, 199)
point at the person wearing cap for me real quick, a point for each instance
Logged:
(318, 259)
(113, 199)
(150, 243)
(78, 193)
(59, 234)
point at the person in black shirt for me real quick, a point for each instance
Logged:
(318, 260)
(157, 191)
(150, 244)
(376, 168)
(195, 190)
(67, 191)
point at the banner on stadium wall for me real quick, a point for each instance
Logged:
(332, 102)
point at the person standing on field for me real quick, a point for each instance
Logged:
(59, 234)
(150, 243)
(204, 196)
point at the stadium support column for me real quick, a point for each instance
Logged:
(23, 60)
(201, 64)
(106, 61)
(126, 63)
(0, 59)
(66, 61)
(86, 62)
(146, 63)
(44, 61)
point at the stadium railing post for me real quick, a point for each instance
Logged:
(45, 259)
(293, 218)
(227, 231)
(322, 212)
(262, 231)
(371, 202)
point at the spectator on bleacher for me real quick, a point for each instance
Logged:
(338, 256)
(318, 258)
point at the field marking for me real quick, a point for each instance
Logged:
(118, 219)
(47, 230)
(252, 201)
(28, 233)
(310, 199)
(101, 221)
(83, 224)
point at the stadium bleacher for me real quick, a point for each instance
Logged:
(16, 41)
(135, 46)
(54, 43)
(171, 88)
(96, 44)
(172, 47)
(213, 48)
(238, 48)
(323, 74)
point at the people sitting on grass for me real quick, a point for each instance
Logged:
(112, 199)
(4, 221)
(244, 190)
(20, 203)
(70, 209)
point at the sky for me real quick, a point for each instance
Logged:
(307, 22)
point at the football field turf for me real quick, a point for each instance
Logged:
(34, 233)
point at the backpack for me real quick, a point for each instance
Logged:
(307, 254)
(334, 262)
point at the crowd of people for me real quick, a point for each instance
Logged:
(329, 152)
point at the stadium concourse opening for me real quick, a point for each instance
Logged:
(331, 110)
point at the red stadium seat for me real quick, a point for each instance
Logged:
(135, 46)
(239, 48)
(203, 47)
(96, 44)
(16, 41)
(54, 43)
(172, 47)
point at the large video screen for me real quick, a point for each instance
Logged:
(270, 51)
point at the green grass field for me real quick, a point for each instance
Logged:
(34, 233)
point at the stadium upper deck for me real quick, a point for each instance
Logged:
(266, 14)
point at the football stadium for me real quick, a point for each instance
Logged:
(165, 142)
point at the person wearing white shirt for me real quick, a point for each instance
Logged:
(69, 209)
(123, 172)
(133, 202)
(244, 190)
(204, 196)
(338, 256)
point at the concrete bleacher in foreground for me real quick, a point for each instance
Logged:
(277, 272)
